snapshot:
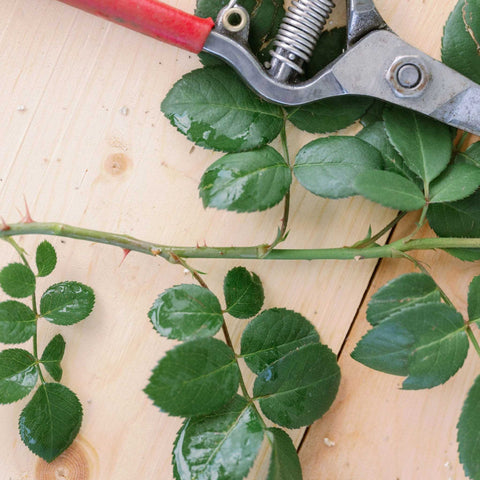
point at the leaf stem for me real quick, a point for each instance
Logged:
(461, 142)
(21, 253)
(473, 339)
(370, 241)
(392, 250)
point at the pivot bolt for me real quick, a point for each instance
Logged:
(408, 76)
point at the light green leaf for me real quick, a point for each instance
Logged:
(426, 342)
(329, 115)
(247, 181)
(458, 181)
(402, 292)
(474, 300)
(46, 259)
(460, 43)
(53, 355)
(328, 166)
(468, 435)
(300, 387)
(215, 109)
(272, 335)
(18, 374)
(195, 378)
(424, 143)
(243, 292)
(67, 303)
(458, 219)
(186, 312)
(50, 421)
(17, 280)
(222, 446)
(17, 322)
(284, 461)
(390, 190)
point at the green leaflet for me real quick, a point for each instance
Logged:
(328, 166)
(195, 378)
(402, 292)
(458, 181)
(300, 387)
(460, 43)
(458, 219)
(272, 335)
(284, 462)
(474, 300)
(186, 312)
(17, 280)
(376, 135)
(18, 374)
(17, 322)
(67, 303)
(329, 115)
(214, 109)
(426, 342)
(247, 181)
(243, 292)
(50, 421)
(52, 356)
(221, 446)
(45, 258)
(390, 190)
(424, 143)
(471, 155)
(468, 435)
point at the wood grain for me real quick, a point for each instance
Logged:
(82, 137)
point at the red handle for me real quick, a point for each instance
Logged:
(154, 19)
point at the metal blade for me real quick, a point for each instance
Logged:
(463, 111)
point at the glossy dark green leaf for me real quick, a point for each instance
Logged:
(330, 45)
(186, 312)
(329, 115)
(402, 292)
(461, 39)
(18, 374)
(390, 190)
(67, 303)
(468, 435)
(374, 113)
(426, 342)
(300, 387)
(376, 135)
(46, 259)
(53, 355)
(471, 155)
(328, 166)
(474, 300)
(50, 421)
(215, 109)
(243, 292)
(458, 181)
(222, 446)
(458, 219)
(284, 461)
(424, 143)
(17, 322)
(272, 335)
(17, 280)
(246, 181)
(195, 378)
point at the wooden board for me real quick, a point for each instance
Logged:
(83, 139)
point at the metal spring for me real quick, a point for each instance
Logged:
(298, 35)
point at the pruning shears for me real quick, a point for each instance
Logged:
(376, 63)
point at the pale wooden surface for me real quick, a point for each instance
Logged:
(79, 160)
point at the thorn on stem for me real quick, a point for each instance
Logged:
(5, 227)
(126, 251)
(27, 218)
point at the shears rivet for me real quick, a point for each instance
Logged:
(409, 75)
(234, 19)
